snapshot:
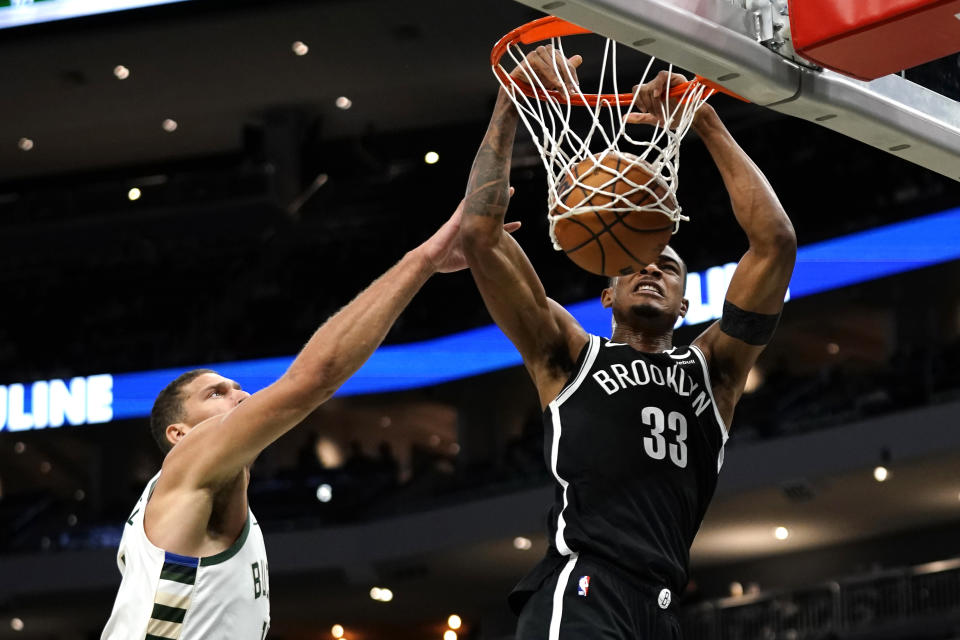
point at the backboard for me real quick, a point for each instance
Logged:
(745, 46)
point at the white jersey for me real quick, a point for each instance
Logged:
(165, 596)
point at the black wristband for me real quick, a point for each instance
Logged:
(753, 328)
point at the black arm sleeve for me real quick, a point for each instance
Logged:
(752, 328)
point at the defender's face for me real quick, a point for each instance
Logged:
(654, 291)
(208, 395)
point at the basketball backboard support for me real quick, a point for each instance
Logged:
(744, 45)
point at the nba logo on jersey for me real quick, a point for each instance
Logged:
(664, 599)
(583, 585)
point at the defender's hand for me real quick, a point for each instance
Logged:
(547, 64)
(444, 250)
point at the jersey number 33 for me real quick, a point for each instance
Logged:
(656, 444)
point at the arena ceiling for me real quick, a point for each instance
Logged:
(214, 67)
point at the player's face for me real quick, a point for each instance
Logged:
(653, 292)
(208, 395)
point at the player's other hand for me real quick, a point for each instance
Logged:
(444, 250)
(551, 68)
(652, 100)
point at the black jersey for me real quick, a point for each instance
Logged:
(635, 443)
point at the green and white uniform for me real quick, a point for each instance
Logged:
(165, 596)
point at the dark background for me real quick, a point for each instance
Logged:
(430, 486)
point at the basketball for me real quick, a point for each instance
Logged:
(607, 242)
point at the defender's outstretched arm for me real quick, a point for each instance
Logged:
(219, 448)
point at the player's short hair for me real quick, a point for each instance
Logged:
(168, 407)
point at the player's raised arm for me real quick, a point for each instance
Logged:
(220, 447)
(548, 337)
(755, 296)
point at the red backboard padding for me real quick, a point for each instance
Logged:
(867, 39)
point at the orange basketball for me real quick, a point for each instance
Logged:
(612, 243)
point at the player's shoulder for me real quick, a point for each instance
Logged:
(566, 323)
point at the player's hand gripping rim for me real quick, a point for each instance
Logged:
(651, 103)
(555, 72)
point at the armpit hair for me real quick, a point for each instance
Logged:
(558, 358)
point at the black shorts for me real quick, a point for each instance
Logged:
(585, 599)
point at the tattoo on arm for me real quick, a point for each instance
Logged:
(489, 183)
(487, 188)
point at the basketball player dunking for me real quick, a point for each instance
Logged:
(192, 555)
(635, 426)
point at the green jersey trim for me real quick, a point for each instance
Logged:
(226, 554)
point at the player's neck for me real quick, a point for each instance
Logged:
(649, 341)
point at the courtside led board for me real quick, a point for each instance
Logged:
(840, 262)
(19, 13)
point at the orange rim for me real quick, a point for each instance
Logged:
(554, 27)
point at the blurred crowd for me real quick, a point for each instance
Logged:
(369, 485)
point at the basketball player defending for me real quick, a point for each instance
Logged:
(635, 426)
(192, 556)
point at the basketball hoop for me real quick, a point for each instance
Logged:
(546, 113)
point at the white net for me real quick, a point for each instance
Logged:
(563, 149)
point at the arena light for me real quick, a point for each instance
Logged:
(449, 634)
(343, 102)
(16, 624)
(328, 453)
(300, 48)
(521, 543)
(324, 493)
(336, 631)
(25, 144)
(880, 473)
(431, 157)
(169, 125)
(454, 621)
(121, 72)
(133, 194)
(381, 594)
(781, 533)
